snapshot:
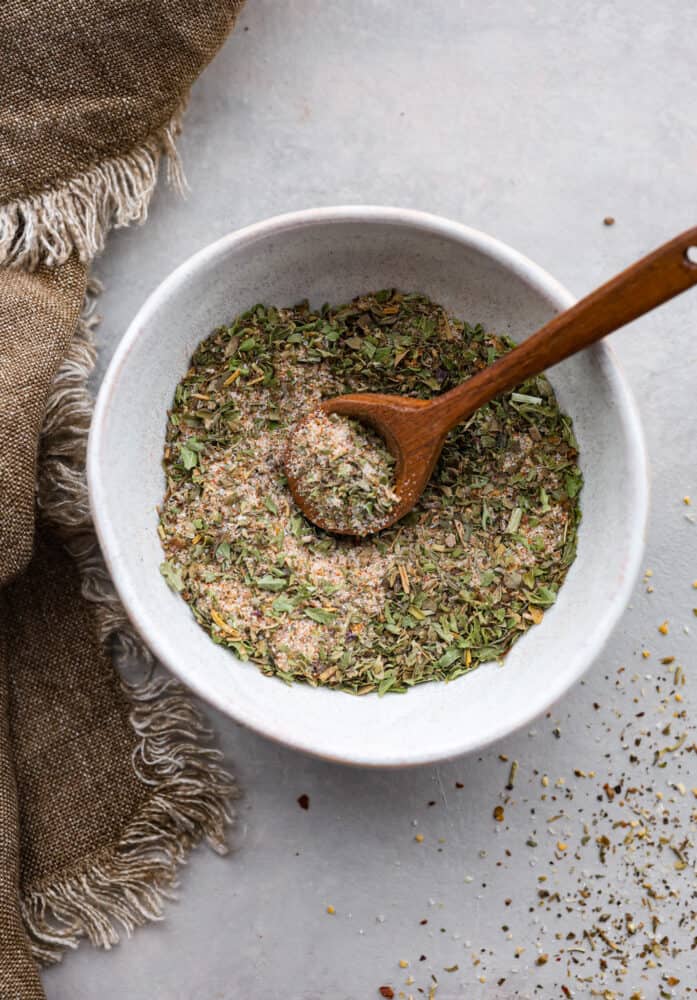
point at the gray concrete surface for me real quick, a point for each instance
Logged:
(532, 121)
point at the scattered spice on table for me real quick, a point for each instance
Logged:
(452, 585)
(609, 907)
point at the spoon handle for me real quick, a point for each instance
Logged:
(654, 279)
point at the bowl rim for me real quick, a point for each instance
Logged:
(541, 281)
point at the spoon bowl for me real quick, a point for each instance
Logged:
(389, 416)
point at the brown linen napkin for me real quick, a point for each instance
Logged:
(104, 785)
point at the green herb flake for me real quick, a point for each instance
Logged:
(188, 457)
(320, 616)
(172, 576)
(272, 583)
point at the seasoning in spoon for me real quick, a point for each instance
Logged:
(454, 584)
(346, 469)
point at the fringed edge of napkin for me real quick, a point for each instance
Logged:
(75, 215)
(125, 885)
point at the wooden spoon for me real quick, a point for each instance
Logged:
(415, 429)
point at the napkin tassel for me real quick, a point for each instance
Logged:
(126, 884)
(75, 216)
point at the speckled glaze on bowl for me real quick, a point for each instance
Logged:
(330, 255)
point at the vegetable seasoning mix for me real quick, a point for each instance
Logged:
(453, 584)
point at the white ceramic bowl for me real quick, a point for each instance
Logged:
(330, 255)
